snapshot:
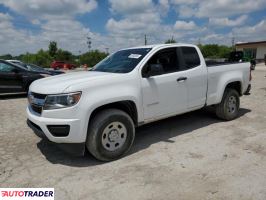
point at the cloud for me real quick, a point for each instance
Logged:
(69, 34)
(184, 1)
(50, 8)
(130, 6)
(51, 20)
(130, 20)
(221, 8)
(218, 8)
(183, 25)
(5, 17)
(185, 11)
(163, 7)
(137, 18)
(252, 33)
(228, 22)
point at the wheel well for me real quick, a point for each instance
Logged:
(127, 106)
(235, 85)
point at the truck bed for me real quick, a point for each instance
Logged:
(214, 63)
(236, 71)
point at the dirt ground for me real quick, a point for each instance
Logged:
(192, 156)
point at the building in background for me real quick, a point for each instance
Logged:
(256, 50)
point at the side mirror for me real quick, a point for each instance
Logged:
(153, 70)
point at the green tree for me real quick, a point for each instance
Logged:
(41, 58)
(63, 55)
(215, 50)
(169, 41)
(52, 49)
(6, 57)
(92, 58)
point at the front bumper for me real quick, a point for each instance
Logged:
(76, 149)
(73, 143)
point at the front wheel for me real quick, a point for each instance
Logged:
(110, 134)
(228, 109)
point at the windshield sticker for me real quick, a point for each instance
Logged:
(136, 56)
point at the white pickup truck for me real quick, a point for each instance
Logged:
(100, 108)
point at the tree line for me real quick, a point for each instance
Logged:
(210, 50)
(45, 57)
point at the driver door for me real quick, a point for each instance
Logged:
(164, 94)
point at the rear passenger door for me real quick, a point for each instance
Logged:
(196, 73)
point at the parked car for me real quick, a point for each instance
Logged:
(99, 109)
(15, 78)
(62, 65)
(15, 61)
(36, 68)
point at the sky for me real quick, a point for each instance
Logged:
(29, 25)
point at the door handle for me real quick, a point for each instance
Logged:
(181, 79)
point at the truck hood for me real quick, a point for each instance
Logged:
(57, 84)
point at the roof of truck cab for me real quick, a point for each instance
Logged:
(160, 45)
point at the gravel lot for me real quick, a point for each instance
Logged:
(192, 156)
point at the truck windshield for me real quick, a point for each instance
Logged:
(122, 61)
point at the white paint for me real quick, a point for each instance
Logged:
(155, 97)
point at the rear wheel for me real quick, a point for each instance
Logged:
(228, 109)
(110, 134)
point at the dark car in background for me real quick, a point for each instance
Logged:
(15, 78)
(61, 65)
(36, 68)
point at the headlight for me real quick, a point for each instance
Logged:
(61, 100)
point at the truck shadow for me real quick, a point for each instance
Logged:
(146, 135)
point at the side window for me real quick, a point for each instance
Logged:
(191, 57)
(167, 58)
(6, 68)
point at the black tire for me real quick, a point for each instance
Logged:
(225, 110)
(97, 131)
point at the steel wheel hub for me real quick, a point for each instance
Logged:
(114, 136)
(232, 104)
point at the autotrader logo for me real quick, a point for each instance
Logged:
(27, 193)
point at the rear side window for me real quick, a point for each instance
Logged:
(191, 57)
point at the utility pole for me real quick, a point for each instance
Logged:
(79, 56)
(145, 39)
(89, 42)
(233, 42)
(199, 41)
